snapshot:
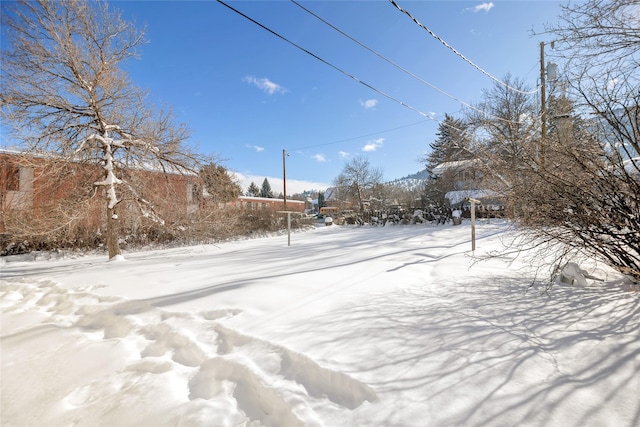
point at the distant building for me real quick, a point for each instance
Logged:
(267, 203)
(466, 179)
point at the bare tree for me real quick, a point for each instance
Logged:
(505, 127)
(505, 124)
(64, 92)
(586, 193)
(357, 179)
(598, 35)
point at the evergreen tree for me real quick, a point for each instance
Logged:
(219, 184)
(265, 191)
(451, 144)
(320, 200)
(253, 190)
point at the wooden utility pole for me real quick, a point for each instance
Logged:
(543, 109)
(284, 176)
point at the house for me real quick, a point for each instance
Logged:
(465, 179)
(460, 174)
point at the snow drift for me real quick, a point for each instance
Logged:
(393, 326)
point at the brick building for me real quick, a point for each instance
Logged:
(45, 196)
(45, 192)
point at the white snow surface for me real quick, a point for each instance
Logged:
(348, 326)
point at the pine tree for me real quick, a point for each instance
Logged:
(451, 144)
(219, 184)
(321, 200)
(265, 191)
(253, 190)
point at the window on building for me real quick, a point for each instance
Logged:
(11, 178)
(193, 194)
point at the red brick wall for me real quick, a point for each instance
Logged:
(59, 185)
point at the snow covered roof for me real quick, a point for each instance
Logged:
(330, 193)
(148, 166)
(456, 197)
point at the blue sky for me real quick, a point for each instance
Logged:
(246, 94)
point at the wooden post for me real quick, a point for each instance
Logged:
(288, 225)
(473, 222)
(473, 227)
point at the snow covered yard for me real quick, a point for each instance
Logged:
(349, 326)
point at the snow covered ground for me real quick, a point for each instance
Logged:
(348, 326)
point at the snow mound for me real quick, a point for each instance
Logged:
(572, 274)
(391, 326)
(137, 359)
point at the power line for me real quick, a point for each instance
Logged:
(428, 116)
(351, 76)
(379, 55)
(361, 136)
(401, 68)
(477, 67)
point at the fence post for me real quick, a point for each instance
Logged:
(473, 222)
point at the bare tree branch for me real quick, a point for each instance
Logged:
(63, 81)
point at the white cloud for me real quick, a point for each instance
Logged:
(483, 6)
(373, 145)
(265, 85)
(319, 157)
(343, 154)
(257, 148)
(369, 103)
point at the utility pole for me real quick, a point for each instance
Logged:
(284, 176)
(543, 109)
